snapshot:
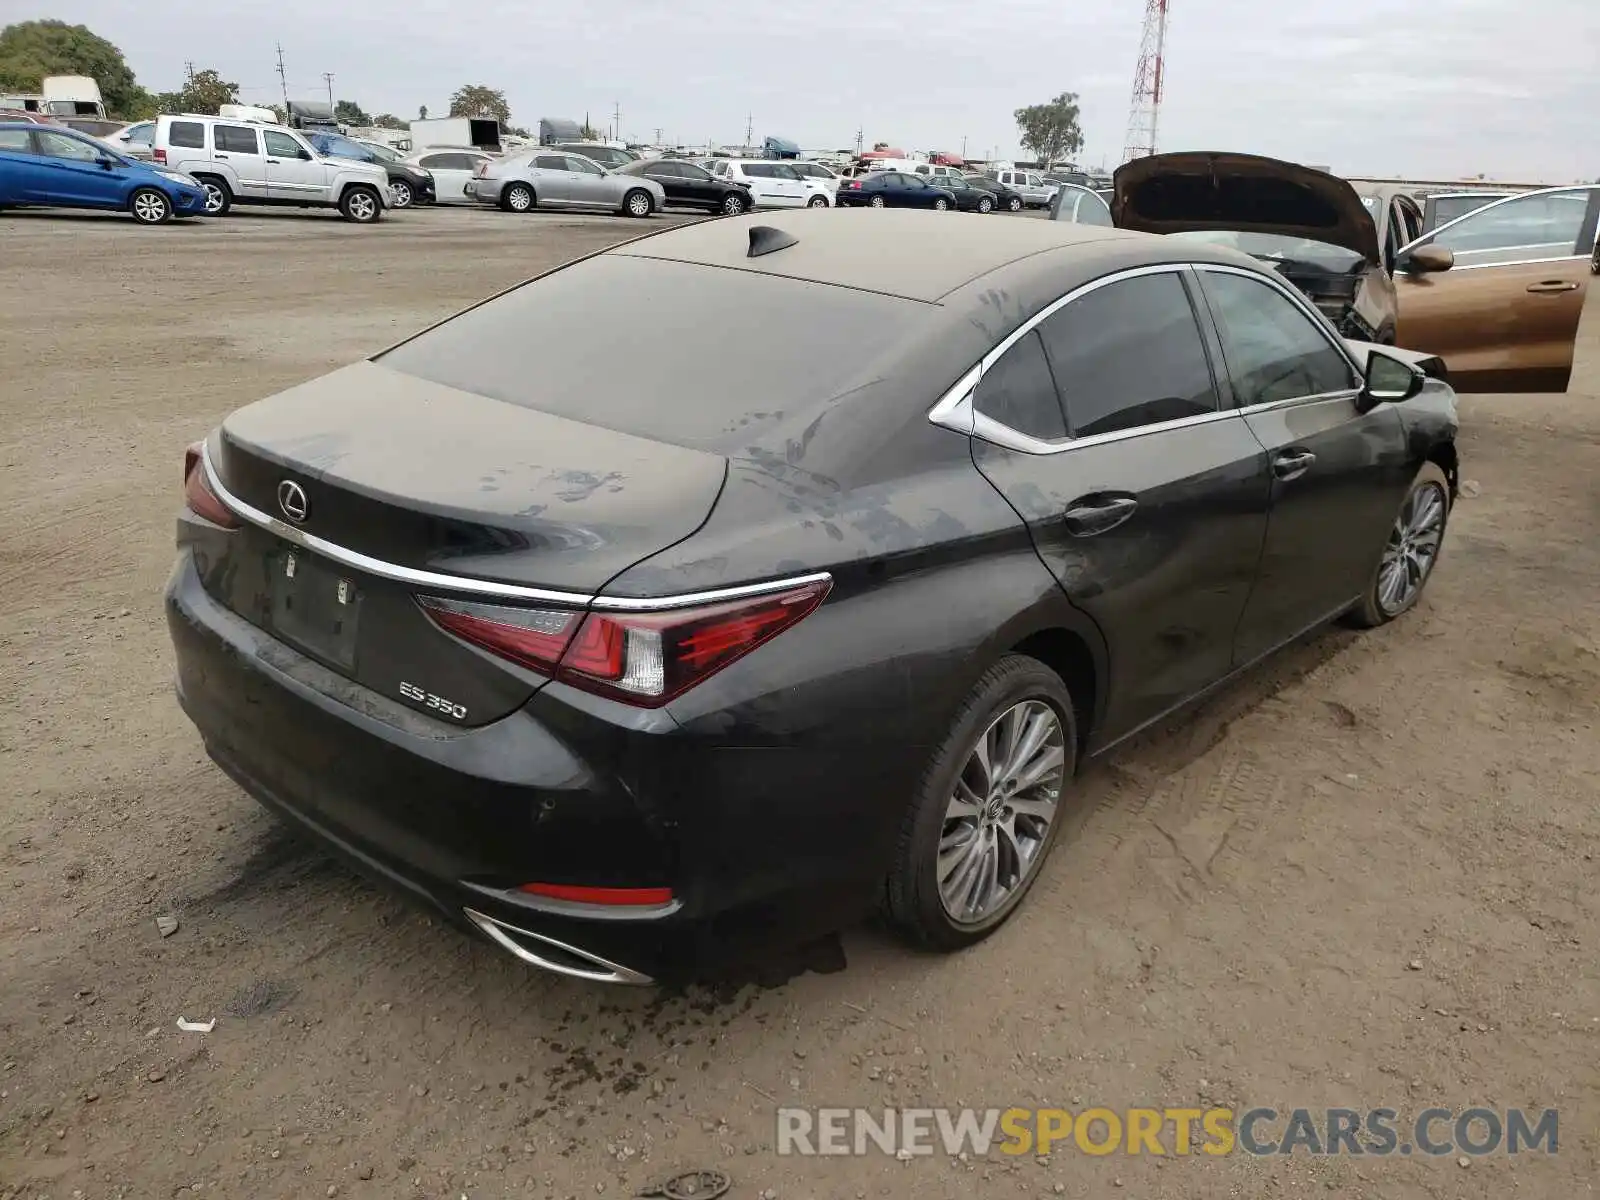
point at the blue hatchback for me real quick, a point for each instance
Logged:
(52, 166)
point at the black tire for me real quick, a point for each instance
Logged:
(876, 202)
(1014, 204)
(817, 202)
(403, 194)
(911, 902)
(361, 204)
(150, 206)
(518, 197)
(219, 196)
(1372, 610)
(985, 205)
(941, 205)
(638, 203)
(733, 205)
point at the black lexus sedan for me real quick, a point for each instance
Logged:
(631, 675)
(1004, 197)
(968, 196)
(689, 185)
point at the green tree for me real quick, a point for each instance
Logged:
(390, 121)
(348, 112)
(30, 50)
(206, 92)
(1051, 130)
(478, 101)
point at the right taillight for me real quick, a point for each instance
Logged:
(639, 658)
(197, 494)
(159, 155)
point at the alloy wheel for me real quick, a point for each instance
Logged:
(363, 207)
(1412, 549)
(639, 204)
(215, 197)
(877, 202)
(520, 199)
(402, 193)
(985, 205)
(151, 207)
(1014, 204)
(999, 814)
(941, 205)
(732, 206)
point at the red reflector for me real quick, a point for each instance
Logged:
(197, 494)
(649, 897)
(855, 183)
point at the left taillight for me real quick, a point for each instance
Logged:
(197, 493)
(646, 658)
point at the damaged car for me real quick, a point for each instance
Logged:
(1308, 226)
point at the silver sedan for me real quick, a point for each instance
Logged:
(557, 180)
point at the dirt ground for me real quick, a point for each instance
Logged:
(1364, 877)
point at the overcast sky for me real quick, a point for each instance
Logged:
(1441, 88)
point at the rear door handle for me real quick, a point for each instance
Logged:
(1090, 515)
(1292, 464)
(219, 156)
(1553, 285)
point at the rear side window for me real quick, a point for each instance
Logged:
(1129, 354)
(551, 162)
(15, 139)
(454, 162)
(1274, 350)
(140, 135)
(1018, 391)
(189, 134)
(234, 139)
(758, 170)
(540, 346)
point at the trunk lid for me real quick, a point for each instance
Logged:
(366, 482)
(1245, 193)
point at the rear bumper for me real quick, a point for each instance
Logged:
(753, 847)
(483, 191)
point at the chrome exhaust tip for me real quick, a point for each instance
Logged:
(548, 954)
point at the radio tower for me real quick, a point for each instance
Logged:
(1145, 112)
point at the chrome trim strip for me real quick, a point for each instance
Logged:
(488, 587)
(715, 596)
(954, 410)
(1519, 262)
(1433, 233)
(605, 970)
(1295, 401)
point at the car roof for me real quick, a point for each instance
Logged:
(915, 255)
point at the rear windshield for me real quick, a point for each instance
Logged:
(671, 351)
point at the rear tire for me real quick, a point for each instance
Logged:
(219, 197)
(1409, 555)
(1014, 204)
(518, 197)
(638, 203)
(941, 205)
(817, 202)
(150, 206)
(360, 204)
(915, 902)
(876, 202)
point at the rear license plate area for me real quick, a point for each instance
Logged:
(314, 607)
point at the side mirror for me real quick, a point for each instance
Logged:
(1427, 259)
(1390, 380)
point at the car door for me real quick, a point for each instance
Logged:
(674, 180)
(240, 147)
(450, 170)
(589, 185)
(1441, 208)
(699, 186)
(294, 170)
(765, 189)
(1145, 494)
(549, 177)
(22, 168)
(1337, 475)
(70, 171)
(1505, 316)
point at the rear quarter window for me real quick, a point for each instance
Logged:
(189, 134)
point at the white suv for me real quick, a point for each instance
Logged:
(1030, 185)
(240, 162)
(774, 183)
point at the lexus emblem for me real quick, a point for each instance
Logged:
(292, 499)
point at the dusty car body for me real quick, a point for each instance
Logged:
(1311, 227)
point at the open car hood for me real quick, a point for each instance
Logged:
(1245, 193)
